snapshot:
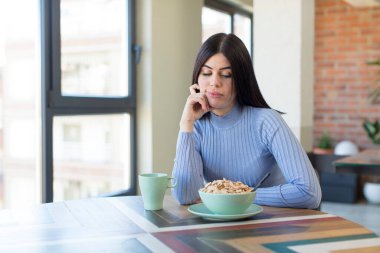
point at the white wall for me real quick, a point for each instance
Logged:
(284, 60)
(170, 34)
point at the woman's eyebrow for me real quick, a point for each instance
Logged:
(228, 67)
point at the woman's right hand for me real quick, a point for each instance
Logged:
(196, 106)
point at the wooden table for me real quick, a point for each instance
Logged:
(366, 162)
(120, 224)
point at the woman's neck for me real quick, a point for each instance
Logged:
(228, 119)
(224, 111)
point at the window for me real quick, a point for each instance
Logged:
(66, 81)
(219, 16)
(214, 21)
(89, 99)
(94, 48)
(91, 152)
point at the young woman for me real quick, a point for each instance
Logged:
(227, 130)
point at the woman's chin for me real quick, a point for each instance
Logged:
(214, 105)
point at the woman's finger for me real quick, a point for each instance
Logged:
(194, 88)
(201, 99)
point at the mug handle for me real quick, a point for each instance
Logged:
(170, 183)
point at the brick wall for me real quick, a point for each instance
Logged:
(346, 38)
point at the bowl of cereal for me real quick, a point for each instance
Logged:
(227, 197)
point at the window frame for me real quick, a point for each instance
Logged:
(231, 10)
(53, 103)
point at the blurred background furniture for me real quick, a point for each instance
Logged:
(336, 187)
(365, 162)
(366, 165)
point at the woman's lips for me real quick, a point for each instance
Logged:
(215, 94)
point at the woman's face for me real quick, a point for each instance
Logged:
(215, 80)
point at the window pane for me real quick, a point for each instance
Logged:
(19, 91)
(91, 155)
(214, 22)
(242, 28)
(94, 48)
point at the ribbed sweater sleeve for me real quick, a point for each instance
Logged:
(302, 188)
(188, 169)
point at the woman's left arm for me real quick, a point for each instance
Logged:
(302, 189)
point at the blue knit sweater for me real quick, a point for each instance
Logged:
(242, 146)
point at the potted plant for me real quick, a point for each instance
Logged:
(373, 130)
(371, 191)
(325, 145)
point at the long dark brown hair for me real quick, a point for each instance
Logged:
(243, 75)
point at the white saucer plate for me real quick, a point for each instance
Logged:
(202, 211)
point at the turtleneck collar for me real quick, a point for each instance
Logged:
(228, 119)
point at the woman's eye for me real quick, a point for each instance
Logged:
(206, 74)
(226, 75)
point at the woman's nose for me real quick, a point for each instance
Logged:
(215, 81)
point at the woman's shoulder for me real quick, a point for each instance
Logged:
(267, 121)
(262, 114)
